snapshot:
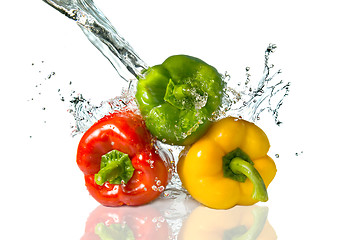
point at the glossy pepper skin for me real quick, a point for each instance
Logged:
(219, 175)
(114, 178)
(178, 97)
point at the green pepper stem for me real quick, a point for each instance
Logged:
(238, 166)
(116, 168)
(181, 96)
(181, 91)
(110, 172)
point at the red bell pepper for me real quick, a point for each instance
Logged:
(120, 162)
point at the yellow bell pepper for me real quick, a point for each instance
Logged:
(228, 166)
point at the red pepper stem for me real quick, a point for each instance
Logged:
(110, 172)
(238, 166)
(116, 168)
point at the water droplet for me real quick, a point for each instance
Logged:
(277, 155)
(161, 188)
(298, 153)
(271, 48)
(151, 162)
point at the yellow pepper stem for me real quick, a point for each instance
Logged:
(238, 165)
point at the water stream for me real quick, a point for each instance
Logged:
(102, 35)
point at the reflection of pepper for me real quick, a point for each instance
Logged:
(178, 97)
(240, 223)
(228, 166)
(143, 222)
(120, 163)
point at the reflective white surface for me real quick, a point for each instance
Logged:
(179, 219)
(314, 195)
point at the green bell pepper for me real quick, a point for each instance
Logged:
(178, 97)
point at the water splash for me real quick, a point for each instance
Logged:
(249, 98)
(86, 114)
(102, 35)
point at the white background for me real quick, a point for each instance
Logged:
(314, 195)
